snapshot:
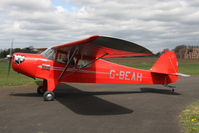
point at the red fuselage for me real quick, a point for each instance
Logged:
(81, 62)
(101, 71)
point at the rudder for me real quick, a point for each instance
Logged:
(166, 64)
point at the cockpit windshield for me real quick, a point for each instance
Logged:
(49, 53)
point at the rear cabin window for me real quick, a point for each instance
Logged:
(82, 63)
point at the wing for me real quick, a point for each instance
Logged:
(96, 46)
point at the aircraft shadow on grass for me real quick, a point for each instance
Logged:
(87, 103)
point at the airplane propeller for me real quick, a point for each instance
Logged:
(10, 57)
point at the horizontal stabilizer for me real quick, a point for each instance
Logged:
(181, 74)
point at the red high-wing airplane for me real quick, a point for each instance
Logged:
(81, 62)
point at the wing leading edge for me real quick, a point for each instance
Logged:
(96, 46)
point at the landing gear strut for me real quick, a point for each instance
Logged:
(40, 90)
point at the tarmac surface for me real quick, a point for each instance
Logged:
(97, 108)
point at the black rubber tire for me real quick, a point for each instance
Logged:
(49, 96)
(39, 90)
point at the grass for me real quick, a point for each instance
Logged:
(14, 78)
(191, 68)
(190, 118)
(145, 66)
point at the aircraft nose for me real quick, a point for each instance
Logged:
(24, 63)
(15, 62)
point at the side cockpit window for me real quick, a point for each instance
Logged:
(61, 58)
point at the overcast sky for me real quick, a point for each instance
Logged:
(155, 24)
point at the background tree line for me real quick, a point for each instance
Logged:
(179, 50)
(5, 52)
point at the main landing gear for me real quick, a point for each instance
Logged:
(47, 95)
(43, 90)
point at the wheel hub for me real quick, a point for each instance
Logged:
(49, 96)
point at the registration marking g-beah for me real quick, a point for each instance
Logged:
(125, 75)
(83, 62)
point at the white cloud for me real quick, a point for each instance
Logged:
(155, 24)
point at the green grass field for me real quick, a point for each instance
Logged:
(191, 68)
(14, 78)
(190, 118)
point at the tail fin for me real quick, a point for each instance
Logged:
(166, 64)
(165, 70)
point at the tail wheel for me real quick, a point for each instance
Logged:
(49, 96)
(40, 91)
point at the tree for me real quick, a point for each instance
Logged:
(30, 49)
(180, 51)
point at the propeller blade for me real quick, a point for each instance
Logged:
(9, 66)
(10, 57)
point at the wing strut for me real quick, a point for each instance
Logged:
(68, 62)
(85, 65)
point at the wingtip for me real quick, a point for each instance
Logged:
(94, 36)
